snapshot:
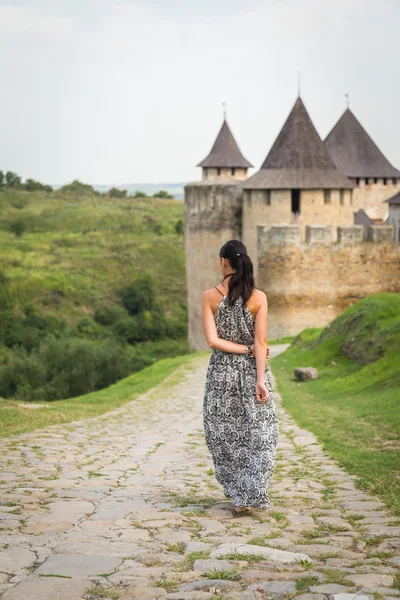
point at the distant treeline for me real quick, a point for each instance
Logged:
(12, 181)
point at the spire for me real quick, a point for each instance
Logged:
(225, 151)
(298, 158)
(353, 151)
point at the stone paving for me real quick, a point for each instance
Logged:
(126, 506)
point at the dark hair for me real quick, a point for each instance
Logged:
(242, 282)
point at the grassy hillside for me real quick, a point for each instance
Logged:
(354, 406)
(76, 251)
(92, 288)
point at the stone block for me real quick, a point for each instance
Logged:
(350, 234)
(380, 234)
(284, 234)
(318, 234)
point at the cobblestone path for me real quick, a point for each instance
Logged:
(126, 506)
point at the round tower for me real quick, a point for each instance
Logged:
(225, 161)
(213, 209)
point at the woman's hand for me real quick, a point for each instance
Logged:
(262, 392)
(254, 354)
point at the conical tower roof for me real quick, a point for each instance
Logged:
(354, 152)
(225, 152)
(298, 158)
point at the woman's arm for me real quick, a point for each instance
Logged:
(210, 331)
(260, 346)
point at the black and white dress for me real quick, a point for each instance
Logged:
(241, 433)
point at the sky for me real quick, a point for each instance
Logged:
(113, 92)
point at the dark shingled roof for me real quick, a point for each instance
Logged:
(394, 199)
(353, 151)
(361, 218)
(298, 159)
(225, 152)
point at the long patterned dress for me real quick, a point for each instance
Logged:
(241, 433)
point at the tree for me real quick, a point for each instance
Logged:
(7, 299)
(12, 180)
(116, 193)
(18, 226)
(140, 295)
(139, 194)
(2, 179)
(31, 185)
(162, 194)
(179, 227)
(77, 187)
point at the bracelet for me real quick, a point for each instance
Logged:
(249, 350)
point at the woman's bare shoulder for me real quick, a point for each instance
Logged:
(211, 293)
(259, 297)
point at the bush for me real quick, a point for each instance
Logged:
(31, 185)
(7, 298)
(127, 330)
(109, 315)
(179, 227)
(139, 296)
(139, 194)
(88, 327)
(162, 194)
(77, 187)
(18, 227)
(63, 369)
(116, 193)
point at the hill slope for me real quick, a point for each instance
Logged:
(354, 405)
(77, 250)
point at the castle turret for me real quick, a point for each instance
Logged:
(357, 156)
(225, 161)
(298, 183)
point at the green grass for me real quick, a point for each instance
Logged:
(17, 417)
(89, 246)
(353, 407)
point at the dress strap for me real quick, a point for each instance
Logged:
(218, 290)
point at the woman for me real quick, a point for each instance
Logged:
(240, 420)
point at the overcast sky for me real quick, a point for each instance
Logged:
(108, 91)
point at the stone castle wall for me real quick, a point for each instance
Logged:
(371, 196)
(211, 219)
(274, 207)
(309, 283)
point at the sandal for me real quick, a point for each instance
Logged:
(241, 509)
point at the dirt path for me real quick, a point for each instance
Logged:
(126, 506)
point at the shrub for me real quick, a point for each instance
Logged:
(88, 327)
(7, 298)
(176, 328)
(162, 194)
(31, 185)
(139, 296)
(63, 369)
(179, 227)
(18, 227)
(109, 315)
(128, 330)
(139, 194)
(77, 187)
(116, 193)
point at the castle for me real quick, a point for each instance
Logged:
(320, 219)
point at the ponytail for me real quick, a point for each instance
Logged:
(242, 281)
